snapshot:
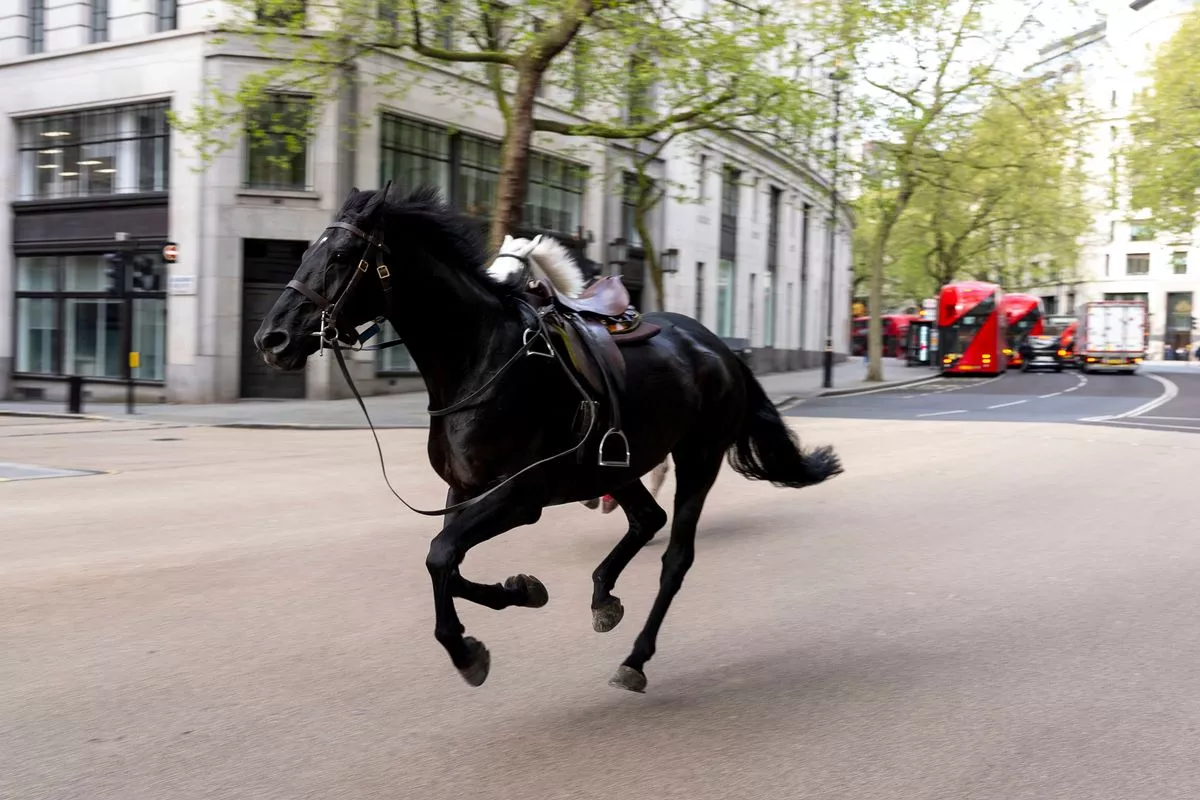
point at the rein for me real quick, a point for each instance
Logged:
(331, 339)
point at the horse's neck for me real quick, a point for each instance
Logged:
(456, 333)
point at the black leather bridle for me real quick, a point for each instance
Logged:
(332, 339)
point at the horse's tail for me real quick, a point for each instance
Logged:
(767, 450)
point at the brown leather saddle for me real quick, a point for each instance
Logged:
(593, 328)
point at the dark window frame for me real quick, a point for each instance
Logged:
(98, 29)
(281, 13)
(37, 26)
(152, 132)
(61, 297)
(1142, 258)
(166, 15)
(268, 174)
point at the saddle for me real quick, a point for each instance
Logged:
(593, 328)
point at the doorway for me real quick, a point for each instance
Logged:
(267, 266)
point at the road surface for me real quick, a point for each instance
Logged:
(975, 609)
(1154, 398)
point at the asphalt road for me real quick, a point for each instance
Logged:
(1154, 397)
(974, 610)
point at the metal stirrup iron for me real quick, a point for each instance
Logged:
(612, 462)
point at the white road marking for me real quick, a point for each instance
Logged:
(1136, 423)
(1170, 390)
(1173, 419)
(1013, 403)
(1052, 394)
(940, 413)
(886, 388)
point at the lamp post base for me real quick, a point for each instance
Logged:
(827, 364)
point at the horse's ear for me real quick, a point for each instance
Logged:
(376, 201)
(349, 198)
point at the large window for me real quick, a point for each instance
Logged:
(277, 144)
(479, 172)
(414, 154)
(68, 323)
(105, 151)
(554, 199)
(467, 168)
(1179, 262)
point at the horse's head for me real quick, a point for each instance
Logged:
(336, 288)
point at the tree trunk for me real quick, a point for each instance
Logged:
(509, 207)
(641, 213)
(875, 302)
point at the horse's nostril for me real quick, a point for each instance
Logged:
(274, 342)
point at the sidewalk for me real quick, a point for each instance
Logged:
(408, 410)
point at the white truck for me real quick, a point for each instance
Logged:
(1112, 336)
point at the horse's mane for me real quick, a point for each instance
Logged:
(453, 238)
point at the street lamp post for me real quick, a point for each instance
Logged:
(836, 76)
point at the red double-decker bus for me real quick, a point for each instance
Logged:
(895, 333)
(1025, 316)
(971, 329)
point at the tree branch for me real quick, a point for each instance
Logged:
(602, 130)
(459, 56)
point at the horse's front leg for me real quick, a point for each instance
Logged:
(518, 590)
(498, 512)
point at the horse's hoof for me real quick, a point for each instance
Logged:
(607, 616)
(479, 662)
(629, 679)
(535, 592)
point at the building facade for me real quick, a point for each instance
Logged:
(1126, 256)
(90, 167)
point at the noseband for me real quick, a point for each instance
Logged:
(373, 250)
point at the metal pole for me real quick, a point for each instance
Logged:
(827, 383)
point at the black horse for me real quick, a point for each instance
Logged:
(688, 395)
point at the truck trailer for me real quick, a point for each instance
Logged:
(1111, 336)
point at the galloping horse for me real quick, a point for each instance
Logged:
(509, 433)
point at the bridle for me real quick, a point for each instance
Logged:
(373, 251)
(332, 339)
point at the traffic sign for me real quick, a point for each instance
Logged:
(170, 252)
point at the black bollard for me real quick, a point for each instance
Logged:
(74, 394)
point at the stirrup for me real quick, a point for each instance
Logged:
(533, 351)
(624, 441)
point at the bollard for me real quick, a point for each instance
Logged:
(74, 394)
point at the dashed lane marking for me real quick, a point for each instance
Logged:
(1052, 394)
(942, 413)
(1005, 405)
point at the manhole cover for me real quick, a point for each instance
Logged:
(28, 472)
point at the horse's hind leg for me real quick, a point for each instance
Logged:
(646, 518)
(695, 474)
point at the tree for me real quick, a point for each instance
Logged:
(638, 68)
(929, 63)
(1163, 160)
(1003, 198)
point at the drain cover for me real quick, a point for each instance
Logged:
(28, 472)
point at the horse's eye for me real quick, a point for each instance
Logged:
(339, 255)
